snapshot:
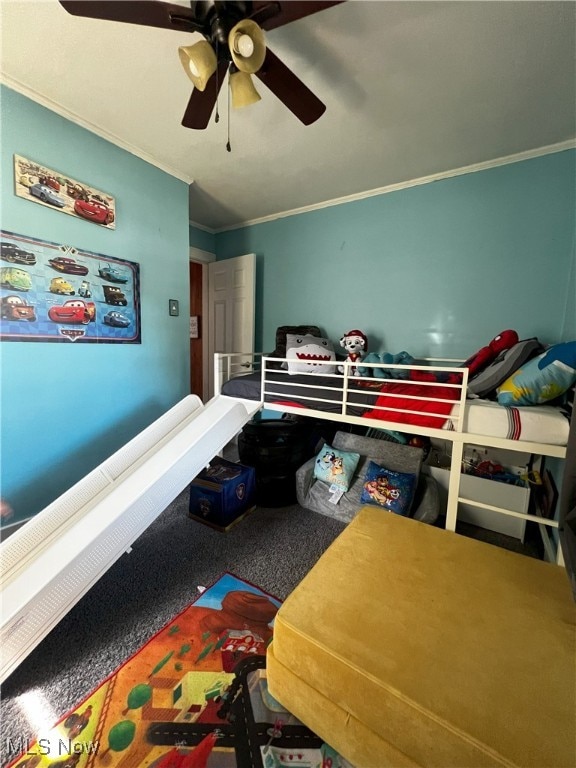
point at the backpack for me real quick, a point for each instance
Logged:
(503, 366)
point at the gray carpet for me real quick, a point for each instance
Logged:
(272, 548)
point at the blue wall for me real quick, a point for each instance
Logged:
(569, 329)
(437, 269)
(65, 407)
(200, 239)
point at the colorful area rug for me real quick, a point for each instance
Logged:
(195, 696)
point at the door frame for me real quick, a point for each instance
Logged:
(203, 258)
(231, 307)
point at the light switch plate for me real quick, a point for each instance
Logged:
(173, 307)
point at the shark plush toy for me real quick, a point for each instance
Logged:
(309, 354)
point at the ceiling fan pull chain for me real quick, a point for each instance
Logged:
(228, 147)
(217, 116)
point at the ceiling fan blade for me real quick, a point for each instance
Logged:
(271, 15)
(150, 13)
(290, 89)
(201, 103)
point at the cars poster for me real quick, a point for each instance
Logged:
(54, 189)
(52, 292)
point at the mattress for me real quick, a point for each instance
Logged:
(540, 424)
(536, 423)
(295, 390)
(247, 386)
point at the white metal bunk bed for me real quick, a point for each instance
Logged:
(341, 394)
(49, 563)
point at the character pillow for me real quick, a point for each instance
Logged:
(543, 378)
(386, 488)
(282, 333)
(309, 354)
(336, 467)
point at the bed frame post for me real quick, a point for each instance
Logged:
(217, 381)
(454, 484)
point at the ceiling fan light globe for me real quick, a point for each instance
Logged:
(242, 90)
(244, 45)
(247, 46)
(199, 62)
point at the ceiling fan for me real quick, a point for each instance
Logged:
(233, 43)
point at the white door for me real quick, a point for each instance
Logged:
(231, 289)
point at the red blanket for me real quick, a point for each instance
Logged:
(398, 402)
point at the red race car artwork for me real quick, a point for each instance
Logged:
(93, 211)
(73, 311)
(50, 181)
(69, 266)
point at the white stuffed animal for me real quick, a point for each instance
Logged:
(356, 345)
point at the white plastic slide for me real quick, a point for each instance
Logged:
(54, 559)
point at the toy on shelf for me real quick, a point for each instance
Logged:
(491, 470)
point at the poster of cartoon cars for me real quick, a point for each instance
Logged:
(56, 190)
(52, 292)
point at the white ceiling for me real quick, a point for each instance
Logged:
(412, 89)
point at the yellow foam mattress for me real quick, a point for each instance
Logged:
(411, 645)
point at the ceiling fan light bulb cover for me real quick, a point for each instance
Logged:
(242, 90)
(247, 46)
(199, 62)
(244, 45)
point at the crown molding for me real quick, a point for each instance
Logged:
(54, 106)
(487, 164)
(203, 227)
(113, 139)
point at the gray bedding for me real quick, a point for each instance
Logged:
(289, 389)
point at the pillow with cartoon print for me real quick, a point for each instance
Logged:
(543, 378)
(281, 336)
(305, 354)
(336, 467)
(388, 489)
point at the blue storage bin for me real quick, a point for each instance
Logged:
(222, 493)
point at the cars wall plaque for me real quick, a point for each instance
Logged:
(36, 182)
(52, 292)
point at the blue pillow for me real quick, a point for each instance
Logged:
(389, 489)
(336, 467)
(541, 379)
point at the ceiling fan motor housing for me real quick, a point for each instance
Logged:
(217, 19)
